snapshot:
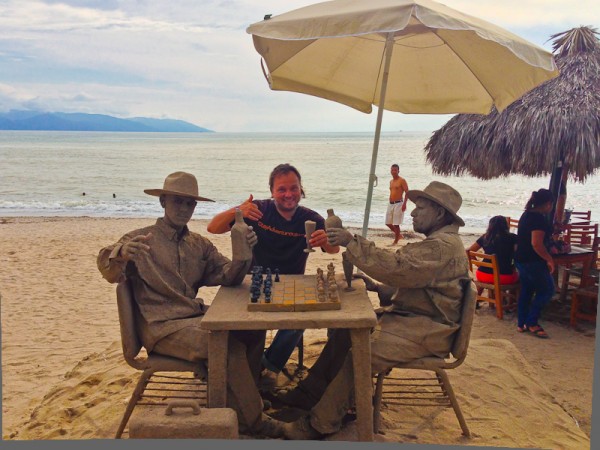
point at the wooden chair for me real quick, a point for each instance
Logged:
(501, 295)
(586, 295)
(513, 224)
(580, 216)
(154, 388)
(429, 391)
(577, 271)
(581, 235)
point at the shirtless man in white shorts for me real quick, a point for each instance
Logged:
(397, 206)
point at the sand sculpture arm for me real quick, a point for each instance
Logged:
(411, 266)
(113, 259)
(220, 270)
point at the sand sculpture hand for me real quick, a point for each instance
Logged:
(250, 210)
(370, 284)
(251, 237)
(384, 292)
(132, 249)
(339, 236)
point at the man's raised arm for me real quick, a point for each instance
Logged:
(221, 223)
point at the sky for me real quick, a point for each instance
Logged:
(192, 60)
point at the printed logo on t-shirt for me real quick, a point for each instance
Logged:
(277, 231)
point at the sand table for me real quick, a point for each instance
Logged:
(64, 377)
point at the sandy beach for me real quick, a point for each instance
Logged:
(63, 375)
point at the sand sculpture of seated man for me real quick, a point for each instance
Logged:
(421, 320)
(166, 264)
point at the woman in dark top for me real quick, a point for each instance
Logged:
(534, 263)
(499, 241)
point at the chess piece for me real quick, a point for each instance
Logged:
(332, 291)
(330, 272)
(309, 227)
(348, 269)
(276, 275)
(254, 289)
(239, 239)
(321, 292)
(332, 221)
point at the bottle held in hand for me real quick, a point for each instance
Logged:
(332, 221)
(240, 248)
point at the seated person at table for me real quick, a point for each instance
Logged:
(166, 264)
(423, 317)
(279, 225)
(499, 241)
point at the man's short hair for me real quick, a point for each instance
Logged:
(284, 169)
(396, 166)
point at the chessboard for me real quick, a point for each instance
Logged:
(294, 293)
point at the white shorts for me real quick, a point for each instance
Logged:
(394, 214)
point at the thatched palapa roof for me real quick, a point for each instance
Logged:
(556, 121)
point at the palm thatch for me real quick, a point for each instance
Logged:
(557, 121)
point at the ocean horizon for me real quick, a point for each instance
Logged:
(45, 173)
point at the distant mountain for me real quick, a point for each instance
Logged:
(58, 121)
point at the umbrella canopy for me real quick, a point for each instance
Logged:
(411, 56)
(557, 122)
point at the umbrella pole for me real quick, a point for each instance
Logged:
(556, 181)
(389, 46)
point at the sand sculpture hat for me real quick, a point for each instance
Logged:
(442, 194)
(179, 183)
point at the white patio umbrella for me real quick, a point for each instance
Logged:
(410, 56)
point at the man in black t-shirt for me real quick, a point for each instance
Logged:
(282, 241)
(279, 225)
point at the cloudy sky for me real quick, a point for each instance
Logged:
(192, 60)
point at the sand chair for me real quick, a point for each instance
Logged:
(411, 391)
(154, 388)
(503, 296)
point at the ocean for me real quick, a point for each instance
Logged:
(47, 174)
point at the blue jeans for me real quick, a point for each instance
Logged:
(281, 349)
(537, 289)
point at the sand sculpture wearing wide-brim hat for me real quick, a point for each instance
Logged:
(442, 194)
(182, 184)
